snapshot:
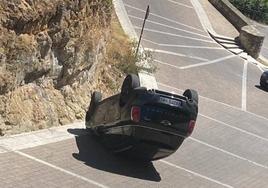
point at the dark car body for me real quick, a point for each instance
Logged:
(151, 125)
(264, 80)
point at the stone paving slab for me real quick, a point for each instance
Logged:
(19, 172)
(86, 157)
(219, 23)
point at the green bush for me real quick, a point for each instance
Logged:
(255, 9)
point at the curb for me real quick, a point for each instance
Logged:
(249, 36)
(38, 138)
(261, 61)
(146, 79)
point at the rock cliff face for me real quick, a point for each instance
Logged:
(51, 52)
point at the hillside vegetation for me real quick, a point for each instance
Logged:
(255, 9)
(53, 55)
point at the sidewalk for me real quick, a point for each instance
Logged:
(221, 26)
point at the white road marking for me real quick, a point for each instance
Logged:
(183, 46)
(195, 173)
(124, 19)
(175, 35)
(201, 14)
(212, 100)
(260, 68)
(168, 26)
(209, 62)
(177, 67)
(244, 87)
(228, 153)
(61, 169)
(175, 54)
(181, 4)
(164, 18)
(233, 127)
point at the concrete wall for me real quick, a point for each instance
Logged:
(250, 38)
(231, 13)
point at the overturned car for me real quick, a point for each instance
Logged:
(141, 123)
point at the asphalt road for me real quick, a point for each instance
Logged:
(229, 147)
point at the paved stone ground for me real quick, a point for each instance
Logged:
(229, 146)
(222, 26)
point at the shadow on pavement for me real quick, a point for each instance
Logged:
(261, 88)
(93, 154)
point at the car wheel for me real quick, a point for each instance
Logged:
(95, 99)
(191, 95)
(131, 82)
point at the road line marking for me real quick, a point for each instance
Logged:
(233, 127)
(260, 68)
(195, 173)
(228, 153)
(170, 20)
(212, 100)
(201, 14)
(181, 4)
(175, 54)
(124, 19)
(175, 35)
(209, 62)
(244, 87)
(61, 169)
(183, 46)
(167, 64)
(168, 26)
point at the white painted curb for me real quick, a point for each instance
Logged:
(38, 138)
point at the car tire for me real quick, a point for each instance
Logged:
(95, 99)
(191, 94)
(131, 82)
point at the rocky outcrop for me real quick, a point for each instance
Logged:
(51, 52)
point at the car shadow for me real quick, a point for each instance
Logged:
(93, 154)
(261, 88)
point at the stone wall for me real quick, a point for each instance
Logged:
(50, 55)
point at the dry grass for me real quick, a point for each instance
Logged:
(122, 52)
